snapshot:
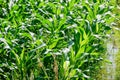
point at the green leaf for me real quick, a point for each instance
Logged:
(26, 35)
(54, 44)
(22, 54)
(97, 27)
(16, 56)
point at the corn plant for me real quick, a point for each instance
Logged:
(53, 39)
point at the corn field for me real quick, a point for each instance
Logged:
(55, 39)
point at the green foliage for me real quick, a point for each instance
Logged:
(53, 39)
